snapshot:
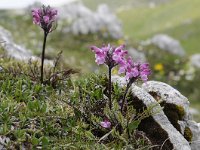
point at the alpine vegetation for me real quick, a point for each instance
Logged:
(112, 56)
(45, 17)
(45, 107)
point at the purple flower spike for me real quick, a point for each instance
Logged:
(100, 54)
(36, 17)
(44, 17)
(109, 55)
(135, 70)
(144, 71)
(118, 55)
(106, 124)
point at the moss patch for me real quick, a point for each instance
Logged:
(180, 111)
(169, 106)
(188, 134)
(173, 113)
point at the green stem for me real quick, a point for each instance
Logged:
(124, 97)
(43, 55)
(110, 88)
(124, 100)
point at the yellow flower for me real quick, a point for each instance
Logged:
(158, 67)
(120, 42)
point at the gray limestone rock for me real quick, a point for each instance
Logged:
(121, 81)
(167, 43)
(168, 94)
(174, 136)
(195, 128)
(172, 96)
(82, 20)
(14, 50)
(157, 127)
(137, 55)
(195, 60)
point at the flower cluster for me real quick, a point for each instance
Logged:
(112, 57)
(117, 56)
(109, 55)
(44, 17)
(135, 70)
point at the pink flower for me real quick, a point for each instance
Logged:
(100, 54)
(122, 69)
(44, 17)
(144, 71)
(109, 55)
(105, 124)
(119, 54)
(36, 17)
(135, 70)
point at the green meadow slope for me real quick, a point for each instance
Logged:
(178, 18)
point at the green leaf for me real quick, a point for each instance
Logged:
(44, 140)
(30, 105)
(89, 135)
(20, 134)
(34, 141)
(133, 125)
(43, 108)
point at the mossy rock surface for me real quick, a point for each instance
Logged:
(168, 94)
(153, 130)
(173, 113)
